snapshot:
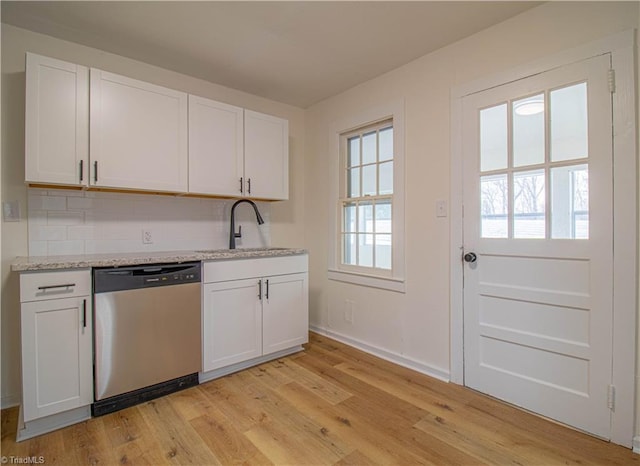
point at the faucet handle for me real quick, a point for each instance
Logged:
(239, 234)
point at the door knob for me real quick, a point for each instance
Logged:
(470, 257)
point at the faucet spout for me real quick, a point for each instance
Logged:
(232, 233)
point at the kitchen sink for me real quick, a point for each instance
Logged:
(238, 250)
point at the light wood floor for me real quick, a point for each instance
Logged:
(330, 404)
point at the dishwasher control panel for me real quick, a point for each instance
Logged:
(145, 276)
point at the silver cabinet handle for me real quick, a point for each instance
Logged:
(266, 295)
(248, 185)
(50, 287)
(95, 171)
(260, 290)
(81, 170)
(241, 185)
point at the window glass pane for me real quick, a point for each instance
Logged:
(369, 148)
(349, 224)
(349, 251)
(493, 138)
(569, 123)
(369, 180)
(494, 206)
(353, 182)
(528, 131)
(353, 146)
(570, 202)
(365, 250)
(383, 251)
(365, 212)
(386, 178)
(383, 217)
(529, 204)
(385, 141)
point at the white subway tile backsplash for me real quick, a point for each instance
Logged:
(65, 222)
(64, 248)
(65, 218)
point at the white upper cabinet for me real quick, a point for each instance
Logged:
(56, 122)
(266, 156)
(138, 134)
(236, 152)
(216, 147)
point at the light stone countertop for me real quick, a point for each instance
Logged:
(35, 263)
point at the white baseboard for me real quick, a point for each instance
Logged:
(9, 401)
(636, 444)
(390, 356)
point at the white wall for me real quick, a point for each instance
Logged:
(414, 327)
(169, 214)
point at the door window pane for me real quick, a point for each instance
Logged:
(529, 204)
(570, 202)
(494, 206)
(493, 138)
(569, 123)
(528, 131)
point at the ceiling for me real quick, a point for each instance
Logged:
(295, 52)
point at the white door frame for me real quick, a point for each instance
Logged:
(625, 234)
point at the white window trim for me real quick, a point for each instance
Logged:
(396, 281)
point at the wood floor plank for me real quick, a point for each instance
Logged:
(126, 431)
(227, 444)
(379, 449)
(291, 371)
(286, 422)
(330, 404)
(179, 442)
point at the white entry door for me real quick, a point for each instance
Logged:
(538, 232)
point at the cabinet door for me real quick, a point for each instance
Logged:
(266, 156)
(56, 122)
(232, 323)
(216, 147)
(285, 312)
(56, 356)
(138, 134)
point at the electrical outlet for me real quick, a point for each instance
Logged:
(348, 311)
(147, 237)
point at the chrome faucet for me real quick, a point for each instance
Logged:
(232, 234)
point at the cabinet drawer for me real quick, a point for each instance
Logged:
(37, 286)
(219, 271)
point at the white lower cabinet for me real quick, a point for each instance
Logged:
(57, 366)
(248, 312)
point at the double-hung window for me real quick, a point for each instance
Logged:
(367, 195)
(366, 202)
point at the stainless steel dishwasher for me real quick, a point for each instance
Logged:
(147, 333)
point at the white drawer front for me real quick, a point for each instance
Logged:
(37, 286)
(218, 271)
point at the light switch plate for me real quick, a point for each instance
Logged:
(11, 211)
(441, 208)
